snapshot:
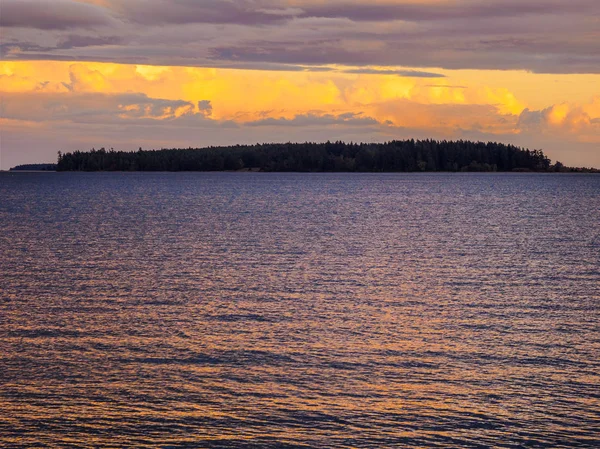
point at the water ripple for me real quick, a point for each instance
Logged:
(255, 310)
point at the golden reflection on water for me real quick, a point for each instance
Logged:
(250, 310)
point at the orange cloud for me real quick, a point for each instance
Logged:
(108, 94)
(582, 122)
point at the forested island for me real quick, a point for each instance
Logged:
(395, 156)
(35, 167)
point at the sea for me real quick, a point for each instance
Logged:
(299, 310)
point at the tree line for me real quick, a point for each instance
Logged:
(35, 167)
(394, 156)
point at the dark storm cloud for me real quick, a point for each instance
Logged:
(51, 15)
(549, 36)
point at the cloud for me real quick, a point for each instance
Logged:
(444, 119)
(543, 36)
(581, 121)
(56, 105)
(446, 86)
(93, 108)
(314, 119)
(272, 97)
(78, 41)
(55, 15)
(240, 12)
(441, 10)
(205, 107)
(406, 73)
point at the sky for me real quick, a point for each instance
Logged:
(124, 74)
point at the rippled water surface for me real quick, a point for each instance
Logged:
(251, 310)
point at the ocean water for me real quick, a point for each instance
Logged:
(249, 310)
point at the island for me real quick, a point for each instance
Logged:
(34, 167)
(394, 156)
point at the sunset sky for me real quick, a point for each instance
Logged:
(179, 73)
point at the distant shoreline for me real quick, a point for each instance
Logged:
(574, 172)
(28, 171)
(43, 167)
(406, 156)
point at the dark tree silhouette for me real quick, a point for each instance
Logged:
(395, 156)
(35, 167)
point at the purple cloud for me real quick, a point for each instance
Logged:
(303, 120)
(550, 36)
(54, 15)
(405, 73)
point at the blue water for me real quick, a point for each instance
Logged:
(247, 310)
